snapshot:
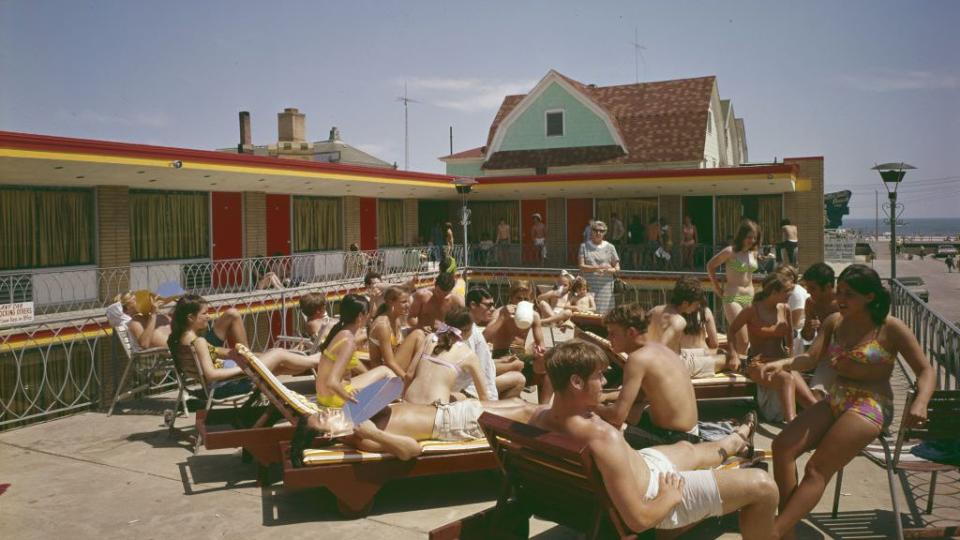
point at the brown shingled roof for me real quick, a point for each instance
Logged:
(659, 121)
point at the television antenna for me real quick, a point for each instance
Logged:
(406, 126)
(638, 55)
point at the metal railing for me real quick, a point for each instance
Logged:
(632, 257)
(938, 337)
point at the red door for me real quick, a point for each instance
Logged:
(527, 209)
(227, 238)
(278, 226)
(368, 223)
(579, 212)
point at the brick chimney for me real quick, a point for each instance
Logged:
(334, 134)
(291, 126)
(246, 136)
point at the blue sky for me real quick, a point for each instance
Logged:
(858, 82)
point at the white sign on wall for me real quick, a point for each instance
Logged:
(16, 313)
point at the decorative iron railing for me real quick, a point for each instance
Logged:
(938, 337)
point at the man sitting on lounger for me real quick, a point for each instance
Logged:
(660, 486)
(507, 335)
(398, 428)
(430, 306)
(657, 398)
(152, 328)
(668, 324)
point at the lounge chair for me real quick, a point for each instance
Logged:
(549, 475)
(160, 363)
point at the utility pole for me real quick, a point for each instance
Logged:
(451, 140)
(876, 224)
(637, 55)
(406, 126)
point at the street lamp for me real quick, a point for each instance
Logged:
(464, 185)
(892, 174)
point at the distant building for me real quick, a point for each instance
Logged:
(565, 126)
(292, 143)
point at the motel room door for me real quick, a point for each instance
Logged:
(227, 218)
(368, 223)
(278, 226)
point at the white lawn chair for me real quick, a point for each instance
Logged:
(161, 363)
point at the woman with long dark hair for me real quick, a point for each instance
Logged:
(862, 342)
(740, 261)
(339, 350)
(445, 360)
(388, 346)
(188, 328)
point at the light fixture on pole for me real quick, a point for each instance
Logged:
(892, 174)
(464, 185)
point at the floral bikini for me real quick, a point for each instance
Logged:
(870, 404)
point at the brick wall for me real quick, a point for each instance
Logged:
(805, 209)
(410, 222)
(113, 238)
(351, 221)
(254, 224)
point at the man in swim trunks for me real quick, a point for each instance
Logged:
(668, 322)
(398, 428)
(664, 487)
(508, 340)
(657, 398)
(431, 305)
(538, 233)
(787, 251)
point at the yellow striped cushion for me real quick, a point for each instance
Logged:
(342, 453)
(296, 401)
(721, 377)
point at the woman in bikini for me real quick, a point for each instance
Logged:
(388, 347)
(339, 350)
(689, 242)
(768, 324)
(740, 260)
(188, 328)
(446, 359)
(862, 342)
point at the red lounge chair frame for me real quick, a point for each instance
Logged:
(356, 484)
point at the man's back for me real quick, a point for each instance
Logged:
(666, 326)
(666, 386)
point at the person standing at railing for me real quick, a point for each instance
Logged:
(599, 262)
(789, 244)
(740, 261)
(689, 243)
(502, 240)
(863, 342)
(448, 239)
(191, 319)
(538, 233)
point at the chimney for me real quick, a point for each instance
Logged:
(334, 134)
(246, 138)
(291, 126)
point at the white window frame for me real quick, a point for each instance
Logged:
(563, 122)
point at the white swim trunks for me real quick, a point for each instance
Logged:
(457, 421)
(699, 362)
(700, 498)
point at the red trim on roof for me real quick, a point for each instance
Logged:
(48, 143)
(662, 173)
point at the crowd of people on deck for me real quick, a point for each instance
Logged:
(821, 352)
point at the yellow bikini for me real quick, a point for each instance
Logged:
(334, 401)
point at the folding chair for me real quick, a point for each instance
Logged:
(162, 363)
(943, 422)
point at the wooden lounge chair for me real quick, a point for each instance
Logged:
(943, 422)
(355, 477)
(549, 475)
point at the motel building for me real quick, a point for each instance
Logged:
(84, 220)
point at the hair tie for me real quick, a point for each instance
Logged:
(443, 328)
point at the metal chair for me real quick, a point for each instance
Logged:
(162, 363)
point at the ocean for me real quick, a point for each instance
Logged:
(911, 226)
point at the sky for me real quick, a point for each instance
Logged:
(858, 82)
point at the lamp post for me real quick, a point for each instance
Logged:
(464, 185)
(892, 174)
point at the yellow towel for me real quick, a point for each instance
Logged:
(342, 453)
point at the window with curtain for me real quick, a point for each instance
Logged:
(316, 224)
(167, 225)
(484, 217)
(46, 227)
(766, 210)
(390, 223)
(643, 208)
(729, 214)
(769, 214)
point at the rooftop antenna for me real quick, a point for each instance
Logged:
(637, 55)
(406, 126)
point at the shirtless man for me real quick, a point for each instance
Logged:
(659, 487)
(505, 336)
(668, 324)
(431, 305)
(820, 281)
(790, 242)
(539, 235)
(652, 375)
(398, 428)
(150, 330)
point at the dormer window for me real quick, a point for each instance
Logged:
(554, 120)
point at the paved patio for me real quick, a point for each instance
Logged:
(90, 476)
